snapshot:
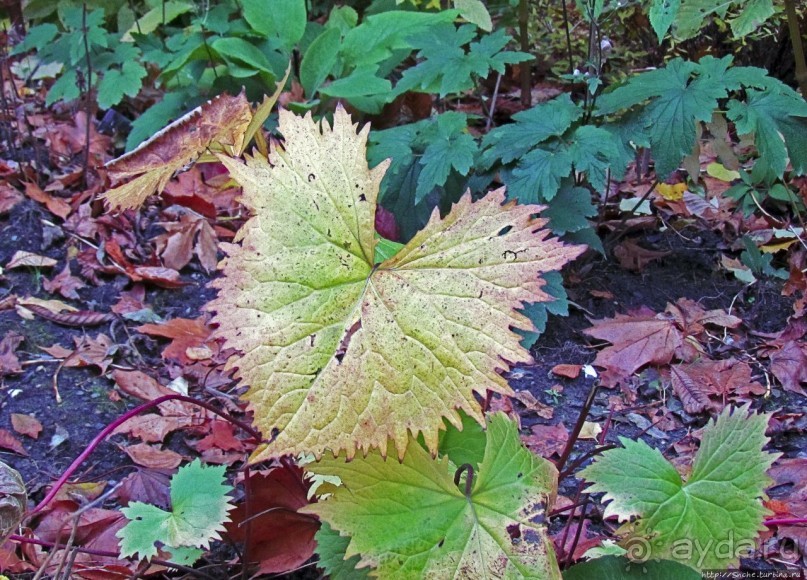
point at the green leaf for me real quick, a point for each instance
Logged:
(319, 60)
(156, 117)
(475, 12)
(539, 173)
(158, 16)
(531, 127)
(344, 354)
(695, 14)
(380, 35)
(199, 506)
(450, 146)
(676, 101)
(37, 38)
(331, 548)
(409, 519)
(243, 54)
(662, 14)
(539, 312)
(618, 568)
(447, 67)
(466, 445)
(117, 83)
(284, 19)
(360, 83)
(64, 89)
(570, 210)
(753, 14)
(386, 249)
(707, 522)
(778, 122)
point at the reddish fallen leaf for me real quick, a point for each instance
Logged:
(9, 362)
(27, 425)
(9, 197)
(643, 337)
(709, 385)
(222, 436)
(192, 234)
(89, 351)
(632, 256)
(184, 333)
(147, 486)
(131, 300)
(547, 440)
(386, 224)
(280, 539)
(153, 457)
(161, 276)
(789, 366)
(64, 283)
(153, 427)
(10, 442)
(638, 338)
(581, 544)
(56, 206)
(566, 370)
(78, 318)
(10, 562)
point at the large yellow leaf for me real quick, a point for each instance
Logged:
(340, 354)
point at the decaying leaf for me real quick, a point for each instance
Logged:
(280, 539)
(341, 353)
(185, 334)
(13, 498)
(222, 122)
(706, 384)
(29, 259)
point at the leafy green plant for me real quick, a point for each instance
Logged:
(719, 504)
(91, 57)
(199, 506)
(432, 518)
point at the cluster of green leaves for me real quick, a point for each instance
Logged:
(89, 56)
(685, 18)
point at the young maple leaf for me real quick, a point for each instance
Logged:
(708, 521)
(341, 353)
(199, 505)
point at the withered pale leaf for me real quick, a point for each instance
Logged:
(218, 124)
(22, 258)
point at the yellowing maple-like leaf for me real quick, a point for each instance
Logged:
(340, 353)
(221, 122)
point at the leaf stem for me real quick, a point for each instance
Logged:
(106, 431)
(469, 479)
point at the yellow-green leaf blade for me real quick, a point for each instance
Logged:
(340, 354)
(409, 519)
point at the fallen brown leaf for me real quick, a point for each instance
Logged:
(26, 425)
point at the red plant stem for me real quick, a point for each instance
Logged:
(104, 553)
(786, 522)
(106, 431)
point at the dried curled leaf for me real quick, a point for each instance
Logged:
(342, 354)
(13, 498)
(218, 124)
